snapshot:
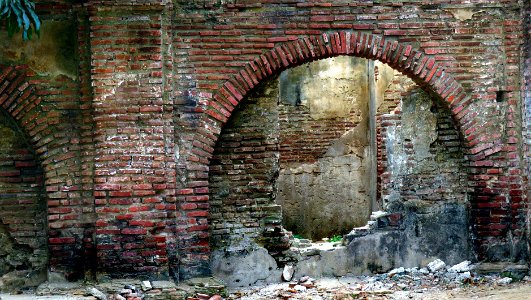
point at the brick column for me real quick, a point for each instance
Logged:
(134, 175)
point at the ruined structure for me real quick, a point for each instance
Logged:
(161, 139)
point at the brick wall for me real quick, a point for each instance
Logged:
(51, 104)
(244, 169)
(527, 105)
(125, 140)
(233, 55)
(432, 176)
(133, 137)
(387, 115)
(420, 159)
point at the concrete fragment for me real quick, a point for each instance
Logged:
(461, 267)
(436, 265)
(464, 277)
(396, 271)
(504, 281)
(300, 288)
(126, 291)
(146, 285)
(118, 297)
(287, 273)
(96, 293)
(130, 287)
(201, 296)
(239, 268)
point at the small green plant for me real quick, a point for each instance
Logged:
(336, 238)
(513, 275)
(298, 236)
(20, 14)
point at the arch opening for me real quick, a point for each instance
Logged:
(424, 70)
(297, 152)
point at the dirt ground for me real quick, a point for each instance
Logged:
(518, 291)
(399, 286)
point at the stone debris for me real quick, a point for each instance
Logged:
(146, 285)
(504, 281)
(399, 283)
(200, 296)
(287, 274)
(436, 265)
(461, 267)
(96, 293)
(393, 272)
(128, 292)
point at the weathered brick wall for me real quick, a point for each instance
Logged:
(306, 139)
(387, 115)
(425, 164)
(125, 138)
(51, 104)
(50, 117)
(236, 46)
(527, 107)
(243, 170)
(134, 176)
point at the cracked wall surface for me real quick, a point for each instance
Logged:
(307, 153)
(323, 184)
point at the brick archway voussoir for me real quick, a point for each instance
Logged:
(19, 99)
(420, 67)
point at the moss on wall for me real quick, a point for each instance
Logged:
(54, 53)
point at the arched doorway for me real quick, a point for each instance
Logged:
(424, 70)
(297, 152)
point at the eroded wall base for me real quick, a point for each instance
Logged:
(401, 239)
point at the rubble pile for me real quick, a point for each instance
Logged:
(399, 283)
(430, 282)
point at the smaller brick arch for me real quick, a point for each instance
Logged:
(23, 204)
(19, 98)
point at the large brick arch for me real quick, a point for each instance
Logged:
(422, 68)
(218, 107)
